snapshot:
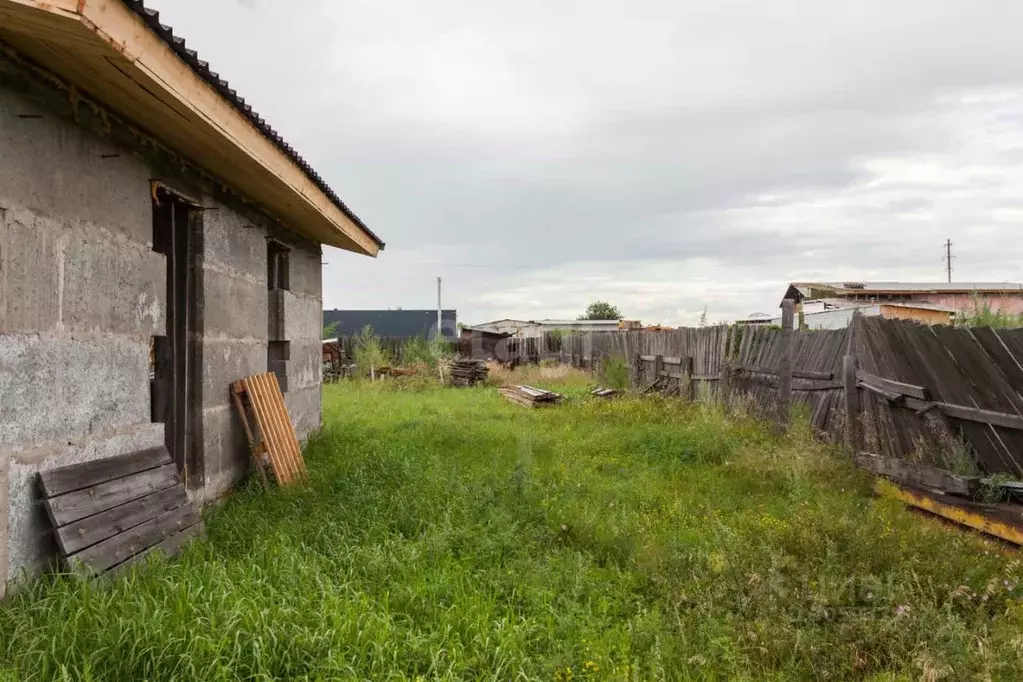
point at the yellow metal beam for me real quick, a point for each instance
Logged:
(961, 515)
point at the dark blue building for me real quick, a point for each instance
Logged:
(401, 324)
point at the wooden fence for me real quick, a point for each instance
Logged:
(935, 395)
(924, 392)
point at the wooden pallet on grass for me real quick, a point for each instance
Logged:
(108, 514)
(273, 439)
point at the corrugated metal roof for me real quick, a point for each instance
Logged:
(402, 324)
(202, 68)
(912, 287)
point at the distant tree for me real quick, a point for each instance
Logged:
(369, 354)
(330, 331)
(601, 310)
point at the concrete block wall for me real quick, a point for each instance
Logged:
(81, 294)
(238, 326)
(303, 328)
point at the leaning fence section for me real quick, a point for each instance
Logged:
(940, 396)
(933, 395)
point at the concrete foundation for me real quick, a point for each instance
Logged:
(83, 293)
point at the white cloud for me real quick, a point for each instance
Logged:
(665, 155)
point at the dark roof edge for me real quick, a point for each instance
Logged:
(152, 19)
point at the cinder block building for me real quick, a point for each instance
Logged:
(158, 240)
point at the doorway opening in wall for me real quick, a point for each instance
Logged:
(177, 232)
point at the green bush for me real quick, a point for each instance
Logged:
(369, 355)
(615, 371)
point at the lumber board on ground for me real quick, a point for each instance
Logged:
(912, 473)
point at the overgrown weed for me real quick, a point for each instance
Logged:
(449, 534)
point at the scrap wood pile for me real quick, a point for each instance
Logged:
(530, 396)
(466, 372)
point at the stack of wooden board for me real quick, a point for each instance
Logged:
(465, 372)
(273, 440)
(109, 513)
(530, 396)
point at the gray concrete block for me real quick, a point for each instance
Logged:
(57, 389)
(304, 408)
(306, 270)
(225, 450)
(275, 315)
(30, 264)
(30, 544)
(303, 317)
(227, 361)
(233, 241)
(112, 290)
(306, 365)
(62, 171)
(233, 307)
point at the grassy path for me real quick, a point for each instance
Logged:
(449, 534)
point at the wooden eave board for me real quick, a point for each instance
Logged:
(106, 48)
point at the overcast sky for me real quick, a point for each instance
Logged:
(663, 155)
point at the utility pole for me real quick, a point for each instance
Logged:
(439, 320)
(948, 258)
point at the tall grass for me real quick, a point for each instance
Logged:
(982, 315)
(449, 534)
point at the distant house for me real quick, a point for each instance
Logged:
(525, 329)
(479, 343)
(831, 305)
(959, 296)
(399, 324)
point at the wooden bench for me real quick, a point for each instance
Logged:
(108, 514)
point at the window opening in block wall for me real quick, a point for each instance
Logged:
(277, 266)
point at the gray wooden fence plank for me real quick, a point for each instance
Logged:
(169, 547)
(65, 509)
(77, 476)
(123, 546)
(77, 536)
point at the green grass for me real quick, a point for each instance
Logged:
(449, 534)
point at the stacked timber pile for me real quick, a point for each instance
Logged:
(600, 392)
(530, 396)
(468, 372)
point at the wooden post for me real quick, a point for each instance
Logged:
(637, 371)
(686, 387)
(852, 403)
(785, 370)
(658, 367)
